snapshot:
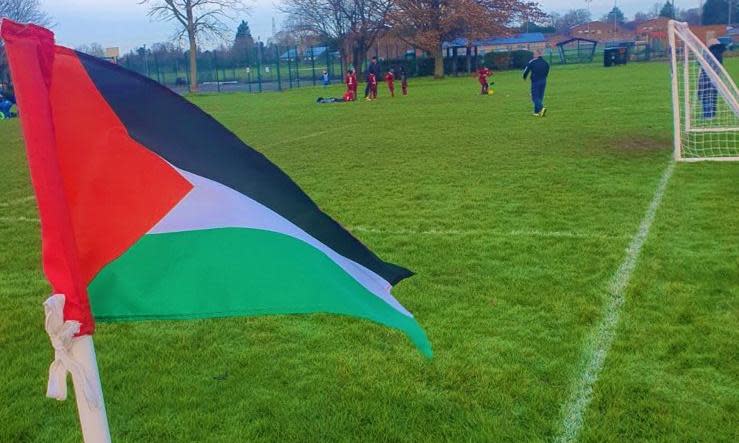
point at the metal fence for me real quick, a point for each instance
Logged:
(258, 69)
(276, 68)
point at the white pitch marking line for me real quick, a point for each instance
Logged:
(17, 201)
(602, 338)
(19, 220)
(513, 233)
(307, 136)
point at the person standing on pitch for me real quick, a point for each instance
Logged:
(539, 70)
(482, 76)
(373, 68)
(390, 80)
(706, 90)
(351, 83)
(325, 78)
(403, 81)
(372, 83)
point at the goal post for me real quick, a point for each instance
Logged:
(705, 100)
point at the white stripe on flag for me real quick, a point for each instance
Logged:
(212, 205)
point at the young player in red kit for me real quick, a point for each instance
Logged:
(390, 80)
(372, 81)
(482, 76)
(351, 84)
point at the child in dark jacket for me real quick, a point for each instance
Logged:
(403, 81)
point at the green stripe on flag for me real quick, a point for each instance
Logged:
(234, 272)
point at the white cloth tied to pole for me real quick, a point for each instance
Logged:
(62, 335)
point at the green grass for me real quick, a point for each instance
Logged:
(514, 226)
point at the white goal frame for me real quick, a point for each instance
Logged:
(684, 45)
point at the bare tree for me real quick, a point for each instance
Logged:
(353, 24)
(428, 23)
(24, 11)
(573, 17)
(368, 18)
(94, 49)
(196, 20)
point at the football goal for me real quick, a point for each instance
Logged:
(705, 102)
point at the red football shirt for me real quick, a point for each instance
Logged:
(483, 74)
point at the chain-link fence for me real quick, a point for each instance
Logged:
(263, 67)
(276, 68)
(257, 69)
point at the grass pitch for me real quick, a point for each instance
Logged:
(515, 226)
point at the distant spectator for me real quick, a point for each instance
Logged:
(6, 104)
(403, 80)
(706, 89)
(325, 78)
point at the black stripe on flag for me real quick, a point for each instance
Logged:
(192, 140)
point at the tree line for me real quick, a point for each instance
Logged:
(353, 26)
(714, 12)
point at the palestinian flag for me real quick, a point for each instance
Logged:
(150, 209)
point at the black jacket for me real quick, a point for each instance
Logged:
(373, 68)
(538, 68)
(718, 51)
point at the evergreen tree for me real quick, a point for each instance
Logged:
(243, 40)
(616, 15)
(716, 12)
(668, 10)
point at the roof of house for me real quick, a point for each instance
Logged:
(515, 39)
(576, 39)
(655, 24)
(315, 51)
(290, 53)
(599, 24)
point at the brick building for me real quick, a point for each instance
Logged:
(601, 32)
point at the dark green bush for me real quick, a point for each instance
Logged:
(498, 60)
(520, 58)
(421, 66)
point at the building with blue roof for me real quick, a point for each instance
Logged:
(529, 41)
(315, 52)
(290, 54)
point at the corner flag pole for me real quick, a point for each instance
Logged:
(93, 420)
(30, 52)
(75, 355)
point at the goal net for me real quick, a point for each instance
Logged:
(705, 100)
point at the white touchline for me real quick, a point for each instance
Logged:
(17, 201)
(19, 220)
(602, 338)
(488, 232)
(309, 135)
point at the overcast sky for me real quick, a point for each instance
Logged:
(124, 23)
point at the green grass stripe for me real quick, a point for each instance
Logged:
(234, 272)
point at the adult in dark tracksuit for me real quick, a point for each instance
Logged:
(373, 68)
(539, 70)
(706, 89)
